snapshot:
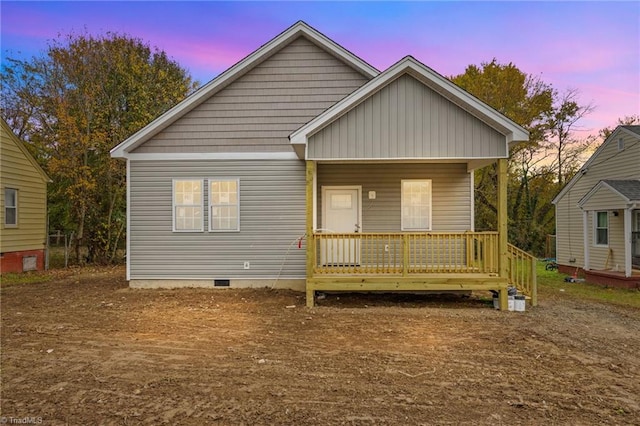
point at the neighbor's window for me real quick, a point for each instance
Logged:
(188, 205)
(416, 205)
(224, 205)
(10, 207)
(620, 144)
(602, 228)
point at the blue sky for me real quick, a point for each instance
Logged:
(590, 46)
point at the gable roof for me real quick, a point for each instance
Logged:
(21, 146)
(628, 190)
(435, 81)
(298, 29)
(631, 130)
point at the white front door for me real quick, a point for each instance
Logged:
(340, 215)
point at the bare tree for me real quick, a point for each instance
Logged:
(562, 122)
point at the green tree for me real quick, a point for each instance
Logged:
(83, 96)
(527, 100)
(536, 168)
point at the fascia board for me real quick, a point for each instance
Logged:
(590, 193)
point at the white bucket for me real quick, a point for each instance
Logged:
(512, 303)
(520, 303)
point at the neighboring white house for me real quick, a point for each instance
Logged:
(302, 166)
(598, 213)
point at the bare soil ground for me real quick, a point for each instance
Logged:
(85, 349)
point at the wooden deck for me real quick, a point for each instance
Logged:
(438, 261)
(428, 261)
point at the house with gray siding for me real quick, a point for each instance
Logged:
(598, 214)
(304, 167)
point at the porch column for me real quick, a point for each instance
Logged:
(628, 212)
(502, 227)
(310, 214)
(585, 238)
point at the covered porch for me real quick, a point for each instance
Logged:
(344, 254)
(611, 226)
(390, 190)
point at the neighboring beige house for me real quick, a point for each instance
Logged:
(598, 214)
(23, 216)
(302, 166)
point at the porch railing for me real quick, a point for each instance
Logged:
(406, 253)
(521, 267)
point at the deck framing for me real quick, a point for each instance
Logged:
(428, 282)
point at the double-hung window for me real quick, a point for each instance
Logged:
(601, 233)
(416, 205)
(188, 201)
(10, 207)
(224, 205)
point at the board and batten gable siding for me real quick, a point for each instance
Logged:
(272, 219)
(609, 164)
(258, 111)
(406, 119)
(451, 193)
(19, 173)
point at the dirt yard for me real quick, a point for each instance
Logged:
(85, 349)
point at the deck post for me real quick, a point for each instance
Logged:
(405, 255)
(503, 256)
(311, 245)
(534, 284)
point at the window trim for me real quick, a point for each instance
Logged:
(430, 206)
(209, 211)
(596, 228)
(174, 205)
(11, 225)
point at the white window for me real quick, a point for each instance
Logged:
(416, 205)
(601, 233)
(224, 205)
(10, 207)
(188, 205)
(620, 144)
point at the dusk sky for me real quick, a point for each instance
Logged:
(590, 46)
